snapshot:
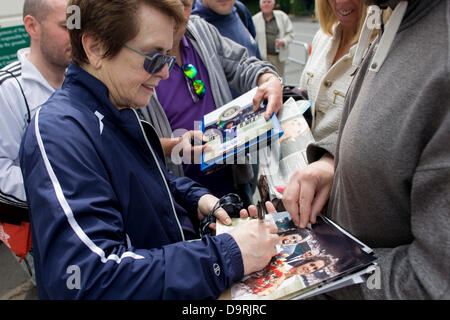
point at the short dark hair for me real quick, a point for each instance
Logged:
(303, 232)
(39, 9)
(327, 259)
(113, 22)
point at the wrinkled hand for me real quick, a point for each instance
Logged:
(257, 241)
(308, 190)
(269, 88)
(206, 204)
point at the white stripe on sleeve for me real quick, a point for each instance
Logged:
(68, 211)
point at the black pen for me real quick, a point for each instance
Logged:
(261, 211)
(261, 206)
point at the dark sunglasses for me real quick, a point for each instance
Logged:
(198, 85)
(155, 61)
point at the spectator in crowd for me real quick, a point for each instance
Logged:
(234, 21)
(220, 63)
(274, 33)
(328, 72)
(24, 86)
(390, 178)
(108, 219)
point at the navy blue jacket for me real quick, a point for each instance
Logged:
(106, 214)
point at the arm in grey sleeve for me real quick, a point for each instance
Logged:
(11, 130)
(316, 150)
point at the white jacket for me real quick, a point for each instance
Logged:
(14, 121)
(286, 33)
(327, 84)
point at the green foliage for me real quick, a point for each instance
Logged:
(296, 7)
(252, 5)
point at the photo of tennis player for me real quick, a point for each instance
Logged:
(234, 128)
(306, 257)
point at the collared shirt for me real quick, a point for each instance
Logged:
(175, 97)
(271, 35)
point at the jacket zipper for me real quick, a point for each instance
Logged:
(161, 173)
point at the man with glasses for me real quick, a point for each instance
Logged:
(208, 64)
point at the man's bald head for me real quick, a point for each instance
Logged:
(39, 9)
(46, 24)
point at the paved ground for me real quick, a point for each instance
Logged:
(14, 283)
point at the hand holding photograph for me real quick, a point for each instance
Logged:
(236, 128)
(306, 260)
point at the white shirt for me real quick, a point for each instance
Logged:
(325, 83)
(13, 121)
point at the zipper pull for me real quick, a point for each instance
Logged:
(337, 93)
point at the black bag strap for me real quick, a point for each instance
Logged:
(13, 214)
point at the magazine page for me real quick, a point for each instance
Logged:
(356, 278)
(288, 154)
(235, 128)
(305, 259)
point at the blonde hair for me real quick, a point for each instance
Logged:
(327, 18)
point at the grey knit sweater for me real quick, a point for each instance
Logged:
(392, 177)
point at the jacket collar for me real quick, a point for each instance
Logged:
(416, 8)
(92, 91)
(29, 70)
(95, 97)
(405, 14)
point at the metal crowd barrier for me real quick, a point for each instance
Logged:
(306, 48)
(301, 63)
